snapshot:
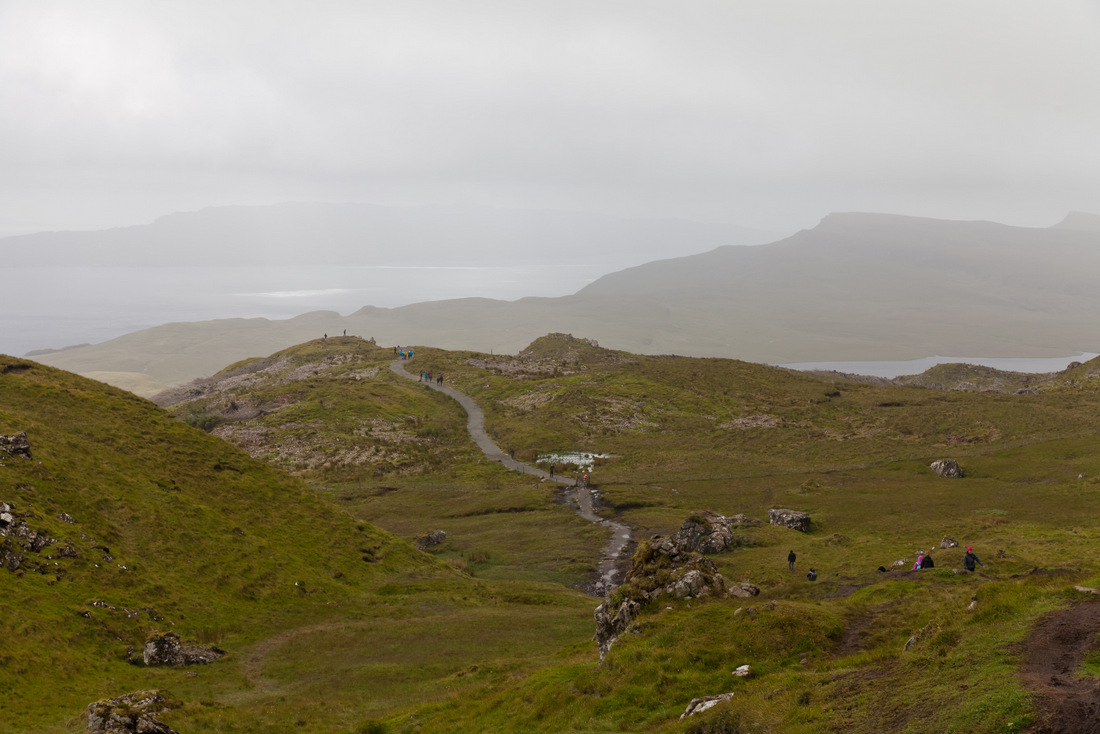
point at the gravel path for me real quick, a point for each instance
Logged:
(580, 498)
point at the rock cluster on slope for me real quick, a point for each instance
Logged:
(131, 713)
(662, 566)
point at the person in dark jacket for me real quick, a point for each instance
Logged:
(970, 558)
(790, 560)
(927, 562)
(812, 575)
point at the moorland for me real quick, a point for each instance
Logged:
(273, 509)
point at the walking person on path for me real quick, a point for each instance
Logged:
(551, 471)
(970, 558)
(790, 560)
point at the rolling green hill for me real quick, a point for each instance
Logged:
(487, 635)
(174, 530)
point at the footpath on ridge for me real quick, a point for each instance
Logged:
(578, 497)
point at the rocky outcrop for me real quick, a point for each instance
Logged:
(949, 542)
(708, 532)
(17, 445)
(131, 713)
(947, 468)
(662, 567)
(792, 519)
(17, 539)
(427, 540)
(612, 621)
(167, 650)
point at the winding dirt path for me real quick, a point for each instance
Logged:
(1064, 702)
(580, 498)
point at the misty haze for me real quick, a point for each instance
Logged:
(377, 367)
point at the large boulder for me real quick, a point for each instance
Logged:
(792, 519)
(134, 713)
(167, 650)
(709, 532)
(948, 468)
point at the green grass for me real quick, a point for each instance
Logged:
(214, 541)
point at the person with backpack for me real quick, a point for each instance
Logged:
(812, 575)
(790, 560)
(927, 562)
(970, 558)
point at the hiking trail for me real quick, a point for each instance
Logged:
(579, 497)
(1053, 652)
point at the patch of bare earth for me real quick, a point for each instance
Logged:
(1064, 702)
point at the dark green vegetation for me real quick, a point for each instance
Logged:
(413, 644)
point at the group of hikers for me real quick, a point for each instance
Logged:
(403, 353)
(426, 376)
(924, 560)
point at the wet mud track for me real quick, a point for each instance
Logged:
(1065, 703)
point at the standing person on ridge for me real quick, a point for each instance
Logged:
(970, 558)
(790, 560)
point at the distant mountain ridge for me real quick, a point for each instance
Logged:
(302, 233)
(856, 287)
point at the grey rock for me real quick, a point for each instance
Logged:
(948, 468)
(744, 590)
(166, 650)
(427, 540)
(709, 532)
(610, 623)
(949, 542)
(131, 713)
(17, 445)
(698, 705)
(792, 519)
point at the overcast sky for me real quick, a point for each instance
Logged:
(768, 114)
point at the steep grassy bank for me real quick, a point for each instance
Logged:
(176, 530)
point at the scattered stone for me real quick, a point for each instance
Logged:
(742, 671)
(947, 468)
(17, 445)
(167, 650)
(66, 517)
(949, 542)
(744, 590)
(132, 712)
(972, 605)
(792, 519)
(910, 642)
(699, 705)
(1002, 554)
(427, 540)
(959, 571)
(1087, 590)
(901, 563)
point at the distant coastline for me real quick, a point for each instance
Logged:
(891, 369)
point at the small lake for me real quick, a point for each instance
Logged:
(916, 366)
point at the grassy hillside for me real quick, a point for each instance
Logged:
(393, 453)
(176, 530)
(510, 649)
